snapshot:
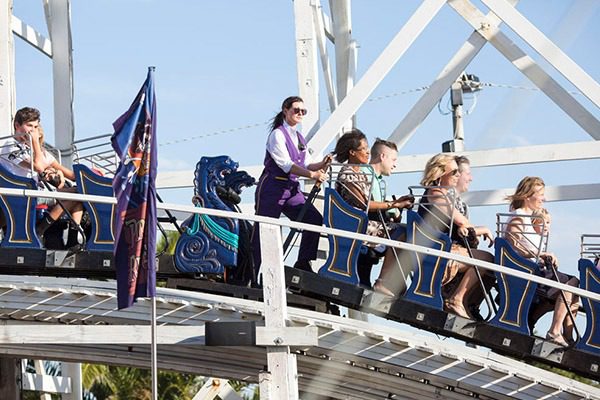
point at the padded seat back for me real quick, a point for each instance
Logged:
(101, 215)
(426, 285)
(342, 260)
(19, 212)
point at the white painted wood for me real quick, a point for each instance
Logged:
(590, 191)
(185, 178)
(153, 349)
(31, 36)
(319, 22)
(352, 69)
(375, 74)
(291, 336)
(528, 67)
(73, 372)
(547, 49)
(41, 372)
(209, 390)
(58, 18)
(7, 68)
(47, 384)
(511, 155)
(306, 64)
(340, 15)
(415, 163)
(450, 73)
(264, 385)
(227, 393)
(281, 364)
(98, 334)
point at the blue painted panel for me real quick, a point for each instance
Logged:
(426, 285)
(589, 277)
(19, 212)
(341, 263)
(101, 215)
(516, 294)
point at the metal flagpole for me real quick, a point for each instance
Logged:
(153, 352)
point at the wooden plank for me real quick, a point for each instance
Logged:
(99, 334)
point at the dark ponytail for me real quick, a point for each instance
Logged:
(277, 120)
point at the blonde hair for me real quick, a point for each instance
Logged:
(435, 168)
(526, 188)
(541, 215)
(41, 134)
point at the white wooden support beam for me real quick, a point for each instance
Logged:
(281, 364)
(326, 23)
(511, 155)
(40, 372)
(546, 48)
(528, 67)
(290, 336)
(99, 334)
(306, 64)
(58, 18)
(340, 14)
(449, 74)
(375, 74)
(47, 384)
(7, 69)
(319, 22)
(352, 68)
(214, 387)
(73, 372)
(31, 36)
(590, 191)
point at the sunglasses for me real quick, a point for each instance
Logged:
(298, 110)
(454, 172)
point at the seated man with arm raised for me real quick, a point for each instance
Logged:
(27, 157)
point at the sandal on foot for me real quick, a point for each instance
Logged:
(380, 288)
(456, 307)
(557, 339)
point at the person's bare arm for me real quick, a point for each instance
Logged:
(67, 172)
(37, 152)
(485, 232)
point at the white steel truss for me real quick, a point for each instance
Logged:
(486, 29)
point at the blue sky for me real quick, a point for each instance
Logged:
(222, 65)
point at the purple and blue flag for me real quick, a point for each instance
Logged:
(134, 141)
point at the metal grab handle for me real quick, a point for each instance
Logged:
(491, 305)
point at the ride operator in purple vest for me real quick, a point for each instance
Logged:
(278, 189)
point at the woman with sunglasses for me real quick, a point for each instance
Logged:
(441, 176)
(278, 191)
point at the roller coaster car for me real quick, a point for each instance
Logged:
(210, 245)
(20, 243)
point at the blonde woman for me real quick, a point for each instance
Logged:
(442, 175)
(523, 236)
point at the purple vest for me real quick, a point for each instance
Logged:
(297, 156)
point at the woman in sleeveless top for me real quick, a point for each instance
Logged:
(286, 159)
(522, 235)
